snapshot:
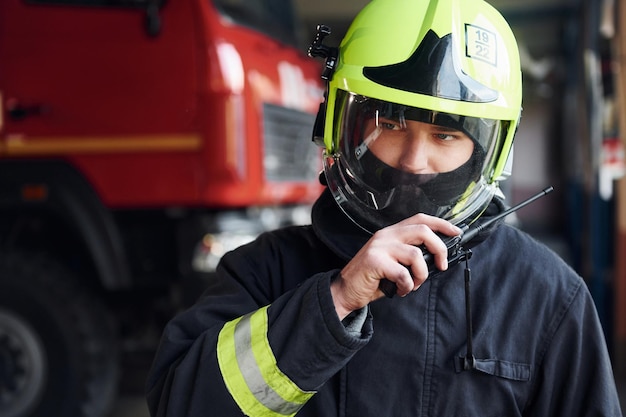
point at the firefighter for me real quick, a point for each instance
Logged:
(422, 105)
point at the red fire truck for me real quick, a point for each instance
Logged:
(139, 140)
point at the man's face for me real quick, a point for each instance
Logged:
(417, 147)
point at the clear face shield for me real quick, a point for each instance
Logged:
(371, 176)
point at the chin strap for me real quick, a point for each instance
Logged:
(469, 361)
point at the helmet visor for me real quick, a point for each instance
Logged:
(375, 192)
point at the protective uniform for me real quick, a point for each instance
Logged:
(538, 346)
(520, 338)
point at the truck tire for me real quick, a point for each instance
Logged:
(58, 354)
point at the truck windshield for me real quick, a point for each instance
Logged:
(105, 3)
(275, 18)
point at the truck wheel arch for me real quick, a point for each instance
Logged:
(70, 197)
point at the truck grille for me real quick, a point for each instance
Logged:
(289, 153)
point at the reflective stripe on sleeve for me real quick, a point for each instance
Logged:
(250, 372)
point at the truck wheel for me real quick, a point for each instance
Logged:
(58, 354)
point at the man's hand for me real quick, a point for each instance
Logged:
(392, 253)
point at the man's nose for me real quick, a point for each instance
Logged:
(415, 156)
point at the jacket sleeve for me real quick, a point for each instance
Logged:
(260, 341)
(575, 376)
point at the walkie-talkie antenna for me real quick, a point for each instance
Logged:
(479, 227)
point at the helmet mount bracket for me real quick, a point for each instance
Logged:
(318, 50)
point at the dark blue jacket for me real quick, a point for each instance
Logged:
(536, 338)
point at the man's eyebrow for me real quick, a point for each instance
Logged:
(391, 117)
(446, 128)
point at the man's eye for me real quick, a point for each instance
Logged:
(444, 136)
(390, 126)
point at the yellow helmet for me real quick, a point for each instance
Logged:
(448, 62)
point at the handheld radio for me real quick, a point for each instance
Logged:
(456, 252)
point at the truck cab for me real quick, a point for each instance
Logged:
(139, 141)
